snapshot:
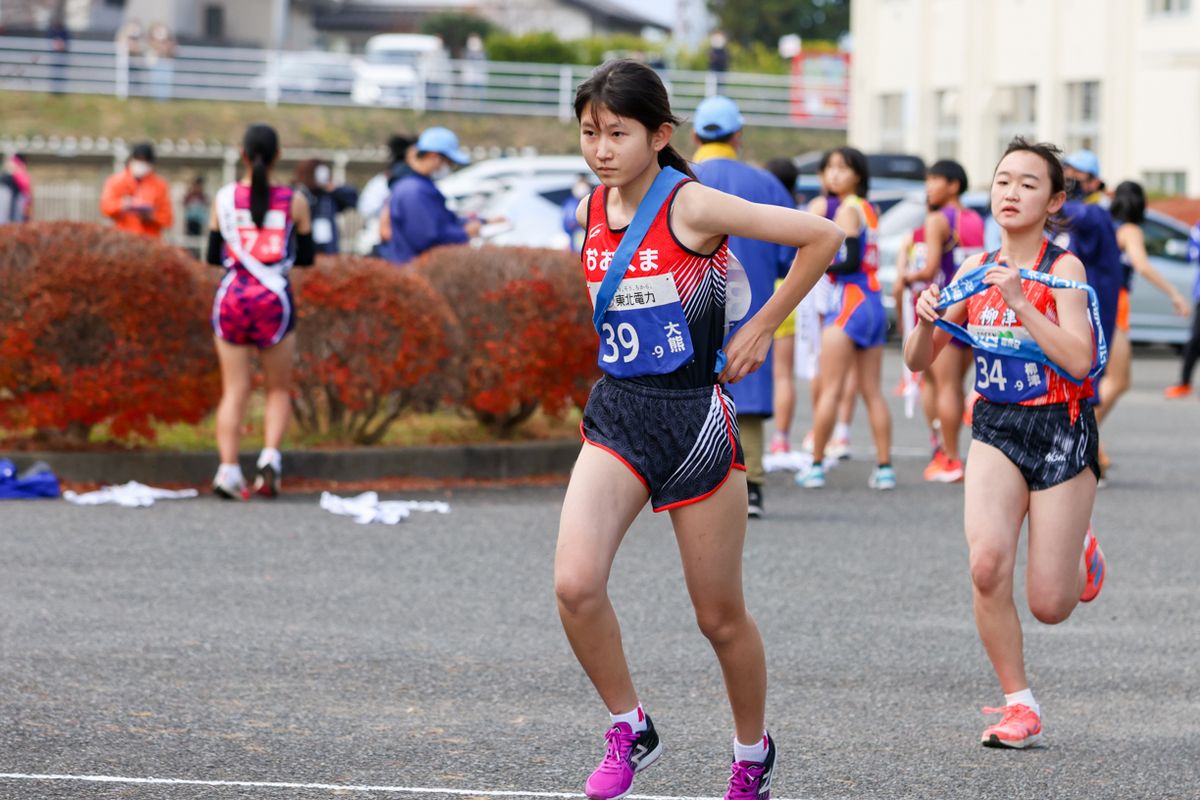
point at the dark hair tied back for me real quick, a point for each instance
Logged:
(260, 147)
(632, 90)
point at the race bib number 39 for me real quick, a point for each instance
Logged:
(645, 331)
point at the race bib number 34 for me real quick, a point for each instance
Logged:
(645, 331)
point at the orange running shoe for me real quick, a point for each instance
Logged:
(1097, 565)
(1177, 391)
(934, 467)
(1019, 727)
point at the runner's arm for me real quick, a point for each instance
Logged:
(703, 214)
(937, 232)
(926, 341)
(1133, 242)
(1068, 343)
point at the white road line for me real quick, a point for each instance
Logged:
(333, 787)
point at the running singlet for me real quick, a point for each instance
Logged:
(1005, 379)
(663, 278)
(865, 276)
(966, 239)
(253, 304)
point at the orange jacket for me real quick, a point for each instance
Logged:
(150, 192)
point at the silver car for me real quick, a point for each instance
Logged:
(1151, 318)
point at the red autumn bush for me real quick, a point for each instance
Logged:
(526, 322)
(97, 325)
(372, 342)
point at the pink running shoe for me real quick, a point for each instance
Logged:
(750, 780)
(628, 754)
(1019, 727)
(1097, 565)
(779, 444)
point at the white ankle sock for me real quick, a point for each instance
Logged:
(270, 456)
(1025, 698)
(756, 752)
(635, 719)
(841, 431)
(230, 473)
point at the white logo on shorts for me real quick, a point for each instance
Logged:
(1055, 458)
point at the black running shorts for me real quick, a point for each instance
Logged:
(1042, 441)
(680, 443)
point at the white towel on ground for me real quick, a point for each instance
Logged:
(367, 507)
(128, 495)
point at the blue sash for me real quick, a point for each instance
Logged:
(646, 332)
(1010, 348)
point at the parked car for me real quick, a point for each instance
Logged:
(310, 75)
(1151, 319)
(529, 192)
(893, 177)
(397, 67)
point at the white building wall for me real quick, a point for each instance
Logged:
(1147, 69)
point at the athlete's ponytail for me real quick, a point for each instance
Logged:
(260, 148)
(633, 90)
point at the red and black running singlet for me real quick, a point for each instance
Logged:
(1005, 379)
(699, 280)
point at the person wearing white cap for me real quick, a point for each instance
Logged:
(717, 129)
(417, 212)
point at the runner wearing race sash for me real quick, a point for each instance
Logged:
(1038, 339)
(659, 427)
(258, 232)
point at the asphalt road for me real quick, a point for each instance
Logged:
(271, 643)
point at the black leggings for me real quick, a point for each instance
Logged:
(1191, 352)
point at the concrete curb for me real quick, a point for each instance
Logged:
(480, 462)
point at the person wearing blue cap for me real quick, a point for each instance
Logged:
(1083, 167)
(418, 218)
(717, 129)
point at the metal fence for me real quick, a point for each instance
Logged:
(480, 87)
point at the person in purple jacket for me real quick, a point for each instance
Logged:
(417, 211)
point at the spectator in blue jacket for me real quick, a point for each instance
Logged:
(417, 212)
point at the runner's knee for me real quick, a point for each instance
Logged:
(991, 570)
(721, 623)
(578, 590)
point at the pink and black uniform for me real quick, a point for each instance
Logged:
(966, 239)
(1040, 420)
(858, 303)
(658, 408)
(253, 305)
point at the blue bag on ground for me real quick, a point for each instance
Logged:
(37, 481)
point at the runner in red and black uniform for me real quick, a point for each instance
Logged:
(658, 426)
(1034, 448)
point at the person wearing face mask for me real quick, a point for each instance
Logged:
(1089, 235)
(314, 178)
(417, 212)
(136, 198)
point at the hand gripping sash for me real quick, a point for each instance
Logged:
(270, 277)
(646, 332)
(1022, 349)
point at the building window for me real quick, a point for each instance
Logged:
(891, 123)
(1016, 114)
(945, 124)
(214, 22)
(1158, 8)
(1168, 183)
(1083, 116)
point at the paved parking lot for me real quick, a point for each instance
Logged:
(271, 650)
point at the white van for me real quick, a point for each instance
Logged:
(399, 69)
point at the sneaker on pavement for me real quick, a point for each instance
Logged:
(779, 444)
(811, 478)
(266, 481)
(230, 488)
(838, 448)
(754, 497)
(883, 478)
(1019, 727)
(750, 780)
(1097, 565)
(944, 470)
(807, 444)
(1177, 391)
(627, 754)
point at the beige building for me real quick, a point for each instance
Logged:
(959, 78)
